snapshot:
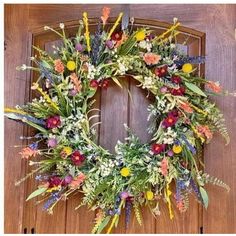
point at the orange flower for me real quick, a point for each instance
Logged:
(151, 58)
(214, 86)
(186, 107)
(77, 181)
(58, 66)
(204, 130)
(77, 83)
(105, 14)
(28, 152)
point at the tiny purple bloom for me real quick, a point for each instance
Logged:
(68, 179)
(73, 92)
(52, 142)
(79, 47)
(163, 89)
(124, 195)
(170, 153)
(109, 44)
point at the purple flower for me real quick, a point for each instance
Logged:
(73, 92)
(68, 179)
(163, 89)
(124, 195)
(109, 44)
(170, 153)
(79, 47)
(52, 142)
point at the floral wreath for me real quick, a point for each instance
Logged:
(182, 119)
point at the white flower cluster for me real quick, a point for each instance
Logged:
(169, 136)
(145, 44)
(122, 66)
(107, 167)
(149, 82)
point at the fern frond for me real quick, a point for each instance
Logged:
(215, 181)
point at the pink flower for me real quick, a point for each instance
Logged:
(157, 148)
(161, 71)
(55, 181)
(151, 58)
(178, 92)
(77, 83)
(176, 79)
(58, 66)
(164, 167)
(186, 107)
(77, 181)
(53, 122)
(77, 158)
(52, 142)
(214, 86)
(105, 14)
(28, 152)
(204, 130)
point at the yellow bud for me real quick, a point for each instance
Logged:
(125, 172)
(187, 68)
(140, 35)
(149, 195)
(70, 65)
(177, 149)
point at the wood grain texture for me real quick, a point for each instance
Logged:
(14, 93)
(219, 23)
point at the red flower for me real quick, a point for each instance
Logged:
(178, 92)
(77, 158)
(54, 181)
(117, 36)
(94, 83)
(169, 121)
(157, 148)
(53, 122)
(104, 84)
(161, 71)
(176, 79)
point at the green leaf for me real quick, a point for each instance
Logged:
(103, 224)
(195, 89)
(116, 81)
(204, 196)
(38, 127)
(36, 193)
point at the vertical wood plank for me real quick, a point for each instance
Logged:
(114, 113)
(16, 39)
(220, 159)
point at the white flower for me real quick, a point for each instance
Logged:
(46, 27)
(62, 25)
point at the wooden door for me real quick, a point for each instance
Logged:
(24, 27)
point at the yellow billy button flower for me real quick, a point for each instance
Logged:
(140, 35)
(66, 151)
(187, 68)
(70, 65)
(149, 195)
(125, 172)
(177, 149)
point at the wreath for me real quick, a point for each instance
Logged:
(181, 119)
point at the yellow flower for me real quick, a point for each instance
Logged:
(187, 68)
(149, 195)
(177, 149)
(125, 172)
(66, 151)
(140, 35)
(70, 65)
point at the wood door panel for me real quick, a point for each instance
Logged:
(218, 21)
